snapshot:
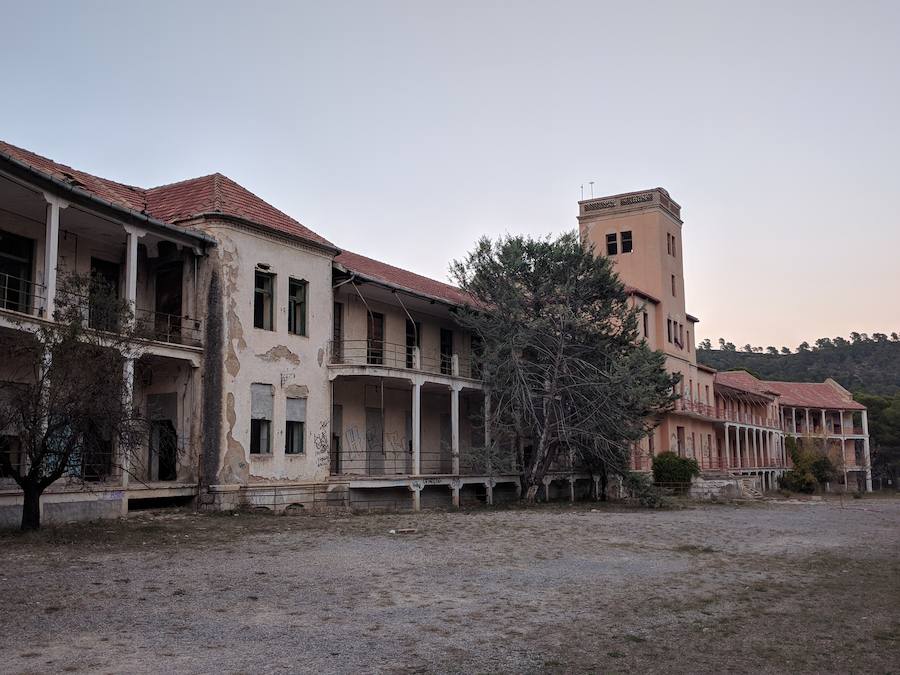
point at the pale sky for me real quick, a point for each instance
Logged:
(405, 130)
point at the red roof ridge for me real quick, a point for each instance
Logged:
(184, 181)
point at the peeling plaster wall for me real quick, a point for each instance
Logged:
(293, 365)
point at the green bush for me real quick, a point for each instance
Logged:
(670, 468)
(640, 487)
(798, 481)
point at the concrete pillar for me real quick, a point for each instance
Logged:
(454, 429)
(132, 235)
(737, 446)
(124, 451)
(727, 449)
(824, 430)
(416, 489)
(571, 489)
(455, 486)
(51, 252)
(489, 489)
(866, 456)
(807, 421)
(753, 433)
(417, 428)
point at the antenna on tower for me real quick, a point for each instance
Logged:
(592, 188)
(582, 192)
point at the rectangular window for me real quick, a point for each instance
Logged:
(669, 329)
(673, 286)
(688, 341)
(668, 243)
(297, 306)
(263, 300)
(261, 396)
(375, 339)
(650, 442)
(611, 245)
(646, 325)
(674, 254)
(337, 333)
(413, 339)
(446, 351)
(104, 290)
(295, 422)
(707, 394)
(626, 242)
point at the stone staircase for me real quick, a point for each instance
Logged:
(749, 490)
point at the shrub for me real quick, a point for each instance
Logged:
(798, 481)
(670, 468)
(640, 487)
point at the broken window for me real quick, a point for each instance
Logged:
(263, 300)
(261, 419)
(295, 422)
(611, 245)
(16, 256)
(626, 242)
(297, 306)
(446, 351)
(10, 448)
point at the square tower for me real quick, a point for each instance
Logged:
(641, 233)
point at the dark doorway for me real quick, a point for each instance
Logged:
(164, 450)
(446, 351)
(374, 442)
(375, 334)
(167, 322)
(16, 258)
(104, 292)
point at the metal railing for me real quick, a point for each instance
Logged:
(182, 330)
(395, 355)
(21, 295)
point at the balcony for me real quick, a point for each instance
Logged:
(384, 354)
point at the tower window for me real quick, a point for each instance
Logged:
(646, 325)
(626, 242)
(611, 244)
(297, 306)
(673, 286)
(668, 243)
(669, 329)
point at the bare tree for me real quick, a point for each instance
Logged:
(63, 411)
(570, 379)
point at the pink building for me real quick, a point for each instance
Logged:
(731, 423)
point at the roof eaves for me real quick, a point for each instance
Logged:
(86, 196)
(328, 248)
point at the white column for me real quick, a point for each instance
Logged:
(727, 450)
(132, 234)
(737, 446)
(866, 457)
(454, 429)
(417, 428)
(824, 430)
(124, 450)
(755, 447)
(51, 252)
(807, 422)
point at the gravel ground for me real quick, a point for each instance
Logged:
(769, 587)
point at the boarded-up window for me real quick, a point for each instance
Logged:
(261, 403)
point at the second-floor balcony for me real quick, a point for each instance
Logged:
(380, 353)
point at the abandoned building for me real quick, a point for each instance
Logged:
(281, 371)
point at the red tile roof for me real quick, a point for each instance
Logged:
(403, 279)
(814, 395)
(127, 196)
(742, 381)
(218, 194)
(214, 194)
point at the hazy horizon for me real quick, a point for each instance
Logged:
(404, 131)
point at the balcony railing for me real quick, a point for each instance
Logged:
(21, 295)
(181, 330)
(394, 355)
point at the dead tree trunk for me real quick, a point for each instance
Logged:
(31, 508)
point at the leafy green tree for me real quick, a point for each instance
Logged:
(884, 434)
(705, 345)
(771, 350)
(785, 350)
(670, 468)
(803, 347)
(824, 343)
(569, 376)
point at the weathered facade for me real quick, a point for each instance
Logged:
(278, 371)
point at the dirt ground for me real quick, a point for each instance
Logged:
(769, 587)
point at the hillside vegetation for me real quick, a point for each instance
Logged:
(863, 365)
